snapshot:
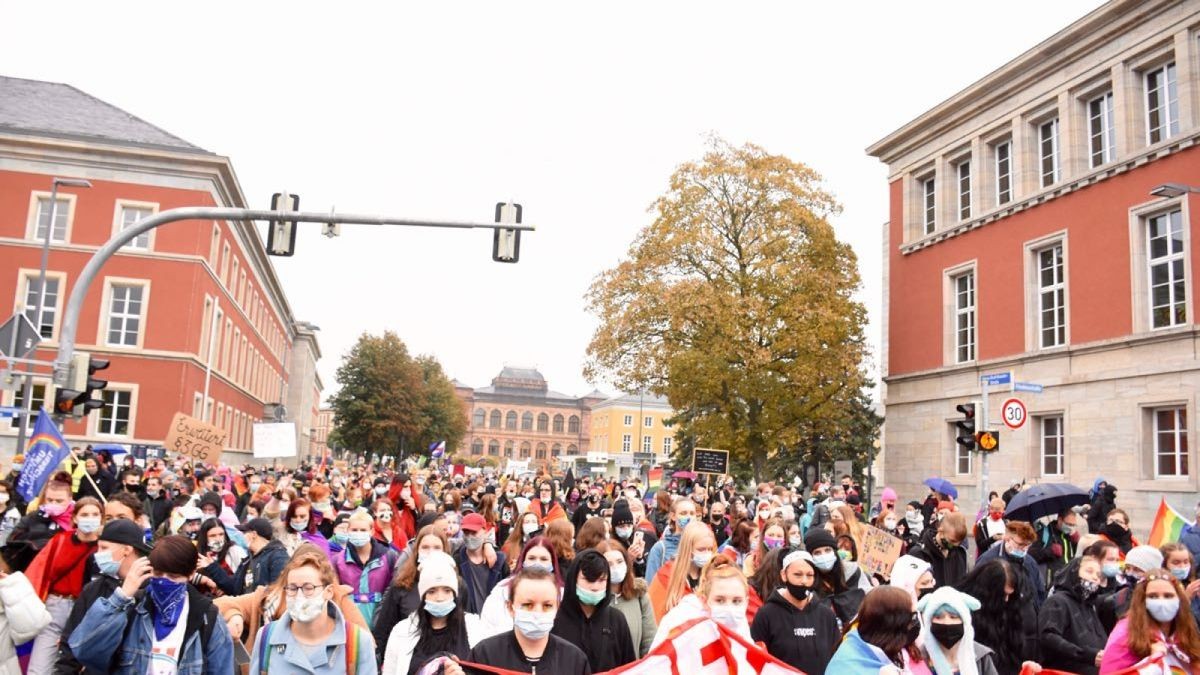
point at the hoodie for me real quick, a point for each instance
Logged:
(1071, 631)
(803, 638)
(604, 636)
(972, 657)
(662, 551)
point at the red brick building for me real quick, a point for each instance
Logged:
(188, 298)
(1023, 237)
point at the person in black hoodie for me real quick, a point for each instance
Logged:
(529, 647)
(586, 619)
(1072, 636)
(796, 629)
(636, 541)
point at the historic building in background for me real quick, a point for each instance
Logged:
(1028, 232)
(322, 426)
(630, 434)
(187, 300)
(519, 417)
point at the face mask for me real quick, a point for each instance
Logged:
(1181, 573)
(1110, 569)
(924, 592)
(533, 625)
(529, 528)
(624, 532)
(587, 597)
(300, 525)
(106, 564)
(914, 630)
(616, 574)
(405, 494)
(798, 591)
(474, 542)
(53, 510)
(947, 634)
(701, 559)
(510, 494)
(684, 521)
(1163, 610)
(216, 545)
(843, 554)
(17, 466)
(795, 541)
(255, 486)
(539, 565)
(1089, 588)
(193, 534)
(283, 506)
(358, 539)
(304, 609)
(889, 523)
(153, 494)
(132, 487)
(995, 516)
(1067, 529)
(825, 561)
(87, 525)
(381, 490)
(439, 609)
(384, 516)
(3, 497)
(527, 495)
(772, 542)
(728, 615)
(339, 538)
(1017, 554)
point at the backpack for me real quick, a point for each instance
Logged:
(353, 647)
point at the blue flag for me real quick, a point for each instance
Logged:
(46, 451)
(437, 449)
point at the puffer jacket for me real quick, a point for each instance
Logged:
(1070, 629)
(23, 617)
(370, 581)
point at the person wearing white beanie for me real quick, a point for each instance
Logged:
(440, 627)
(913, 575)
(949, 638)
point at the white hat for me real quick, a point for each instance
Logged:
(190, 513)
(1145, 558)
(438, 569)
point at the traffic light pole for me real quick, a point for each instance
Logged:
(66, 345)
(983, 469)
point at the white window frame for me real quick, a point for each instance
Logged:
(1171, 260)
(970, 310)
(1060, 440)
(628, 420)
(31, 223)
(11, 398)
(961, 454)
(1003, 171)
(648, 444)
(98, 420)
(1054, 157)
(26, 279)
(648, 422)
(1101, 127)
(962, 173)
(106, 311)
(119, 223)
(1180, 433)
(626, 443)
(666, 445)
(929, 204)
(1059, 288)
(1169, 125)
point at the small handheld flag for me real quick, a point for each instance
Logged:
(45, 452)
(1168, 525)
(437, 449)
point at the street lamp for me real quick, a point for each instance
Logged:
(1171, 190)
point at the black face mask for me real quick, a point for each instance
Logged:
(947, 634)
(924, 592)
(798, 591)
(914, 629)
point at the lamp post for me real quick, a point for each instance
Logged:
(27, 390)
(1171, 190)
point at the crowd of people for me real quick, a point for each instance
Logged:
(176, 568)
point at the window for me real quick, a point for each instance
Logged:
(647, 444)
(495, 419)
(508, 449)
(629, 420)
(1102, 133)
(129, 215)
(62, 213)
(1168, 296)
(1052, 306)
(648, 422)
(540, 453)
(1048, 151)
(962, 457)
(479, 419)
(626, 443)
(114, 417)
(929, 204)
(964, 190)
(525, 450)
(964, 317)
(1004, 172)
(1170, 442)
(1162, 104)
(224, 262)
(558, 424)
(572, 449)
(1053, 457)
(667, 445)
(125, 314)
(527, 421)
(543, 422)
(573, 424)
(510, 420)
(39, 401)
(50, 306)
(555, 450)
(494, 448)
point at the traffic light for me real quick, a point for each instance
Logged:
(506, 244)
(988, 441)
(281, 234)
(966, 426)
(76, 398)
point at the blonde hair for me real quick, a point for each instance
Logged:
(854, 526)
(361, 516)
(677, 582)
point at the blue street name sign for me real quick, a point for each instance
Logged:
(1027, 386)
(8, 411)
(996, 379)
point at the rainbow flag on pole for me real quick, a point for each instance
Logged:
(1168, 525)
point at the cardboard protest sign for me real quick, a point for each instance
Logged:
(196, 439)
(879, 551)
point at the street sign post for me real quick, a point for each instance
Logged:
(996, 379)
(1014, 413)
(1029, 387)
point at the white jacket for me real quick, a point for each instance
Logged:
(403, 641)
(24, 616)
(494, 612)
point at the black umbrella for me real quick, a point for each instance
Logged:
(1046, 499)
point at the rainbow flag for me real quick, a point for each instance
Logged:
(1168, 525)
(654, 480)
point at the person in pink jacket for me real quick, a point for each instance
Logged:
(1155, 628)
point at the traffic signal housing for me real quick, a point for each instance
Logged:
(988, 441)
(966, 426)
(76, 398)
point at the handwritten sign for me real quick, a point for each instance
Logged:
(879, 551)
(707, 460)
(196, 439)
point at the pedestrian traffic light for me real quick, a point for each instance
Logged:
(75, 399)
(966, 426)
(988, 441)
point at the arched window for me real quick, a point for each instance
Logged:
(573, 424)
(525, 450)
(477, 447)
(555, 450)
(541, 451)
(558, 424)
(493, 448)
(527, 422)
(572, 450)
(510, 420)
(543, 423)
(480, 418)
(508, 447)
(495, 423)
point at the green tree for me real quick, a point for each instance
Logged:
(849, 434)
(736, 303)
(388, 401)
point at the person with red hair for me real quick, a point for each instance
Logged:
(387, 526)
(409, 503)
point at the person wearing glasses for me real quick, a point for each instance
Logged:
(313, 636)
(1014, 547)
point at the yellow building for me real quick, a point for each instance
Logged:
(629, 433)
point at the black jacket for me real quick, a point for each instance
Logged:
(29, 536)
(503, 651)
(604, 636)
(100, 587)
(157, 509)
(266, 566)
(1071, 632)
(584, 512)
(803, 638)
(947, 570)
(1042, 551)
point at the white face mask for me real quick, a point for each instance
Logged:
(304, 609)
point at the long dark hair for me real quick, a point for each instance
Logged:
(456, 626)
(884, 620)
(766, 577)
(202, 537)
(997, 622)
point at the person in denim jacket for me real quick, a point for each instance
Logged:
(167, 627)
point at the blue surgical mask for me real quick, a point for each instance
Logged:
(825, 561)
(106, 564)
(339, 538)
(439, 609)
(701, 559)
(1111, 569)
(357, 539)
(1163, 609)
(589, 597)
(87, 525)
(538, 565)
(1181, 573)
(300, 525)
(616, 573)
(684, 521)
(533, 625)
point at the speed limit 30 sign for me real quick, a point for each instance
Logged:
(1014, 413)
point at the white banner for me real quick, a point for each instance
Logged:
(275, 439)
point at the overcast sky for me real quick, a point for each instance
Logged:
(442, 109)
